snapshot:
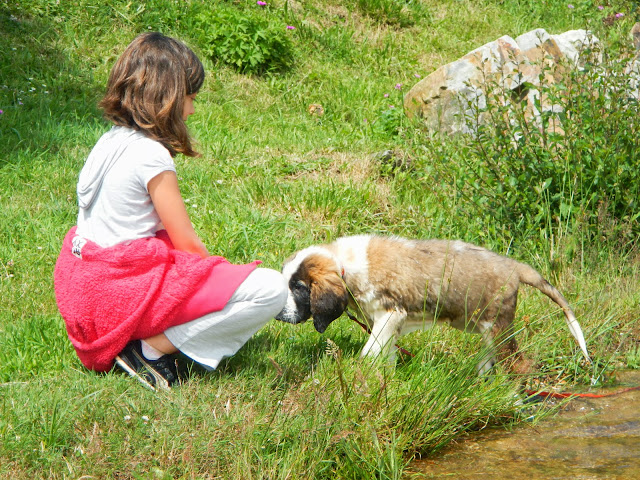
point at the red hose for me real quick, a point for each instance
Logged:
(579, 395)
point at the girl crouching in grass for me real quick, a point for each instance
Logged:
(134, 282)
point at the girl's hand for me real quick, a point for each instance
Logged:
(167, 199)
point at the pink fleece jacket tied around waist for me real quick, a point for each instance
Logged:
(110, 296)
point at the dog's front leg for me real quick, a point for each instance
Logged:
(386, 327)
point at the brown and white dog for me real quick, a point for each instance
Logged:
(398, 285)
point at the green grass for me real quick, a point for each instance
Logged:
(272, 179)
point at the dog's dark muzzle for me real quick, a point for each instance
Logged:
(289, 315)
(320, 327)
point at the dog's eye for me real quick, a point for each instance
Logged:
(300, 285)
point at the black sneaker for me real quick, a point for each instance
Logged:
(155, 374)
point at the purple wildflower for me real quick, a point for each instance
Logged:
(290, 27)
(619, 15)
(398, 86)
(600, 7)
(570, 6)
(386, 95)
(262, 4)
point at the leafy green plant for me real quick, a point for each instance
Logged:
(573, 163)
(391, 117)
(253, 39)
(390, 120)
(247, 41)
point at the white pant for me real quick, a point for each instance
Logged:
(218, 335)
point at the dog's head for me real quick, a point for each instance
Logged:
(316, 288)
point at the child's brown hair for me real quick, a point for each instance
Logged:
(147, 87)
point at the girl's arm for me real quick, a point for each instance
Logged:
(167, 200)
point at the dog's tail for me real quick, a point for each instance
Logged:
(531, 277)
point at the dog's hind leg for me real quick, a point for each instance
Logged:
(500, 346)
(489, 353)
(386, 327)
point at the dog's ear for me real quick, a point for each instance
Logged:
(328, 300)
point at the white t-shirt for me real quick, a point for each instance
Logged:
(115, 205)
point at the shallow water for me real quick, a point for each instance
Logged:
(587, 439)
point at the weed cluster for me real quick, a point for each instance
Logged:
(564, 162)
(252, 40)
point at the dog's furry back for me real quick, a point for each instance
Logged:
(453, 280)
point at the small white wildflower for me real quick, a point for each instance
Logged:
(145, 418)
(127, 418)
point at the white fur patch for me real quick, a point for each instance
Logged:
(290, 268)
(288, 313)
(353, 253)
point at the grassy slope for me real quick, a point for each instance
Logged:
(272, 178)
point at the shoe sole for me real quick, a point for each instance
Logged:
(161, 382)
